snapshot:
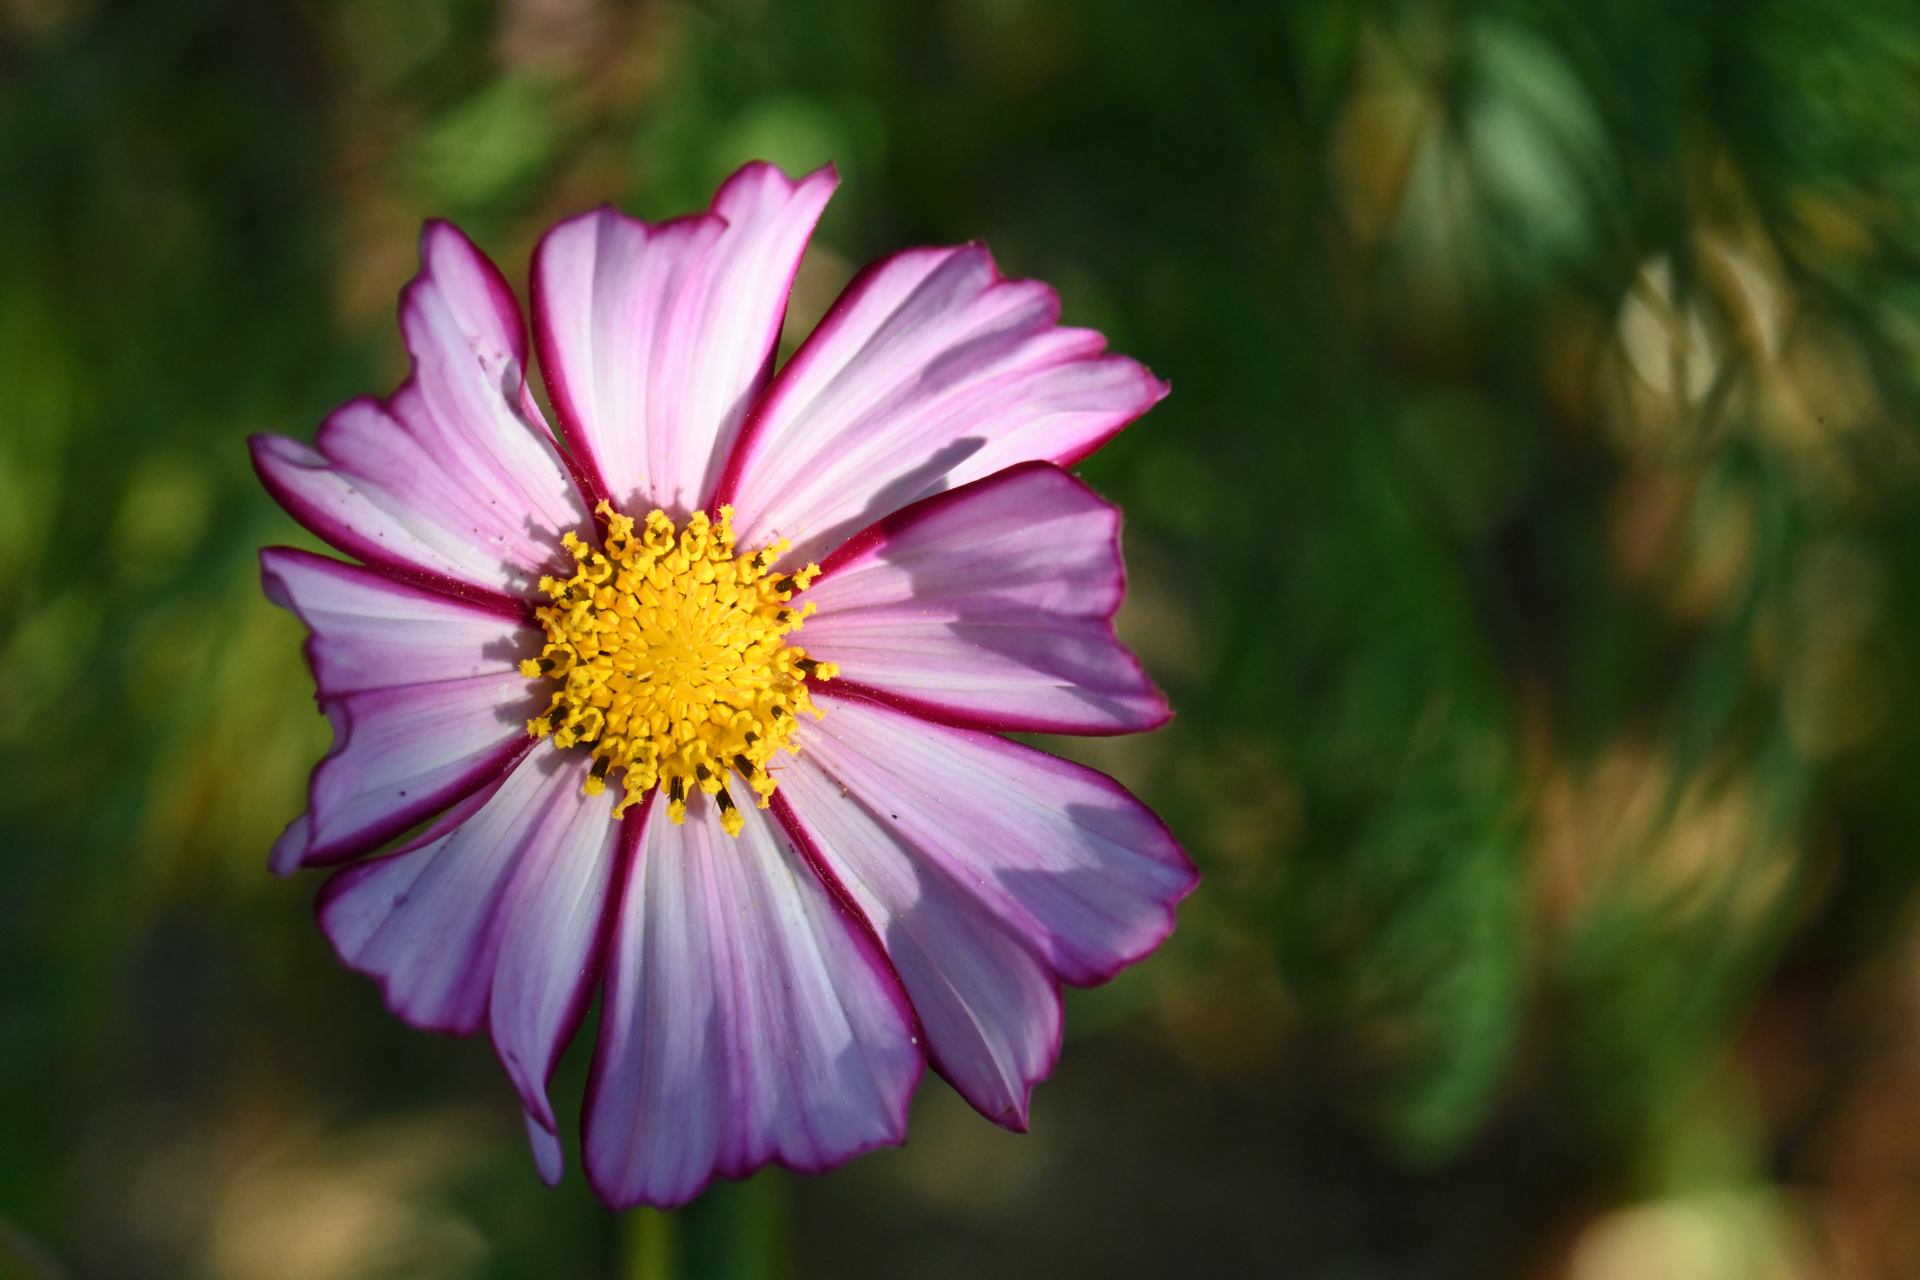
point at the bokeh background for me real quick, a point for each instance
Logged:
(1531, 546)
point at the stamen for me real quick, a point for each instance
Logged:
(667, 655)
(730, 818)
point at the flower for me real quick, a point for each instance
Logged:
(701, 709)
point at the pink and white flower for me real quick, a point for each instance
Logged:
(794, 874)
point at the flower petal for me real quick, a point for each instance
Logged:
(493, 916)
(402, 755)
(372, 632)
(421, 688)
(456, 480)
(548, 1157)
(930, 371)
(992, 606)
(655, 337)
(964, 850)
(749, 1017)
(990, 1008)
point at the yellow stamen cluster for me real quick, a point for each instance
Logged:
(669, 654)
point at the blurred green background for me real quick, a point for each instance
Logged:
(1530, 547)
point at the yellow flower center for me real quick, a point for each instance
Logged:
(669, 655)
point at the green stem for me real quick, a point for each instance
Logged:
(736, 1231)
(652, 1247)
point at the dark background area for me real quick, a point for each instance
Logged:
(1529, 547)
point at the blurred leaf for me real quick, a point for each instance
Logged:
(497, 141)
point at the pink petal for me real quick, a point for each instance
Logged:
(655, 337)
(372, 632)
(421, 688)
(749, 1017)
(990, 605)
(402, 755)
(989, 1007)
(548, 1157)
(966, 851)
(493, 916)
(456, 480)
(930, 371)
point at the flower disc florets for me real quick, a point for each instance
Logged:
(670, 656)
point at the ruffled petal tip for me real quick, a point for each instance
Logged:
(655, 337)
(930, 371)
(990, 606)
(749, 1019)
(491, 918)
(993, 872)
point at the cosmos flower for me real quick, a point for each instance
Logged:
(701, 710)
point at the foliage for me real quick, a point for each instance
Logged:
(1531, 546)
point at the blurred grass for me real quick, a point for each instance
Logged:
(1529, 546)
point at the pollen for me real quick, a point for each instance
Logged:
(668, 656)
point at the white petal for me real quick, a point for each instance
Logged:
(749, 1018)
